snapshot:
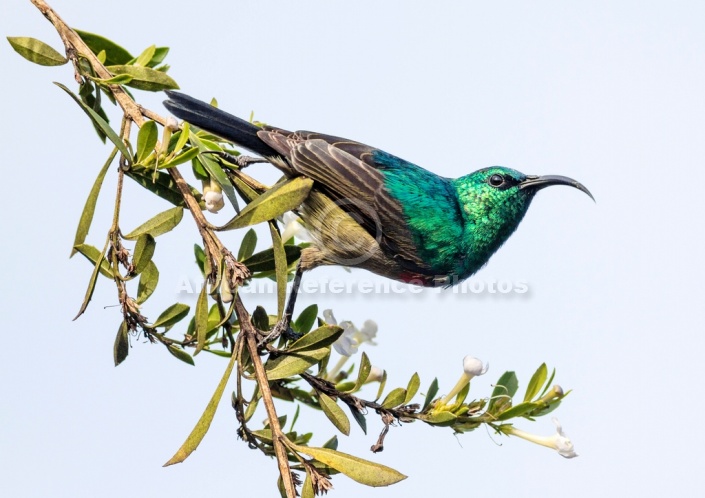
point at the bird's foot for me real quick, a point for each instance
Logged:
(281, 329)
(240, 161)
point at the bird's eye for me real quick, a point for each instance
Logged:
(496, 180)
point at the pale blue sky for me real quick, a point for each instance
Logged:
(610, 93)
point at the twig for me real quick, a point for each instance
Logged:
(250, 334)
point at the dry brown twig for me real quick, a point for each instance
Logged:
(215, 250)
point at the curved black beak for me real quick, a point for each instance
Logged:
(539, 182)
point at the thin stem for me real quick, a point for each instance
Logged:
(280, 451)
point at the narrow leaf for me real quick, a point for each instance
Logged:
(204, 423)
(201, 320)
(149, 278)
(97, 267)
(161, 184)
(99, 122)
(145, 78)
(536, 382)
(290, 365)
(247, 247)
(273, 203)
(172, 315)
(180, 159)
(334, 413)
(84, 224)
(179, 353)
(146, 56)
(146, 140)
(264, 261)
(362, 471)
(144, 250)
(322, 336)
(122, 344)
(114, 53)
(93, 255)
(280, 268)
(517, 411)
(431, 393)
(395, 398)
(412, 388)
(159, 224)
(306, 319)
(36, 51)
(362, 373)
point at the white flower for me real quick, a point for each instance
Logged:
(294, 228)
(367, 333)
(347, 343)
(472, 367)
(214, 201)
(329, 317)
(376, 375)
(559, 441)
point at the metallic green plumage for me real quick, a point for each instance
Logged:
(372, 210)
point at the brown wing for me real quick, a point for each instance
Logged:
(346, 172)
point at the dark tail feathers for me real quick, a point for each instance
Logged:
(218, 122)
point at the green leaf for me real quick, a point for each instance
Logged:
(159, 56)
(334, 413)
(148, 282)
(264, 260)
(290, 365)
(362, 373)
(161, 184)
(200, 257)
(443, 419)
(280, 267)
(274, 202)
(114, 53)
(307, 488)
(144, 250)
(146, 56)
(332, 443)
(412, 388)
(201, 320)
(97, 267)
(306, 319)
(517, 411)
(247, 247)
(204, 423)
(84, 224)
(362, 471)
(159, 224)
(537, 380)
(431, 393)
(172, 315)
(145, 78)
(122, 344)
(179, 353)
(180, 159)
(36, 51)
(260, 318)
(183, 136)
(548, 383)
(146, 140)
(395, 398)
(359, 418)
(99, 122)
(93, 255)
(121, 79)
(322, 336)
(504, 390)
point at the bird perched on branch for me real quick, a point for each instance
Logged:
(372, 210)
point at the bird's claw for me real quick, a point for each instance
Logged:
(282, 328)
(240, 161)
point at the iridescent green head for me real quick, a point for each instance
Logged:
(494, 201)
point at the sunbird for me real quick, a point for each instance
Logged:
(369, 209)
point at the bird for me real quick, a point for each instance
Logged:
(370, 209)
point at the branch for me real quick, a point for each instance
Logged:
(250, 334)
